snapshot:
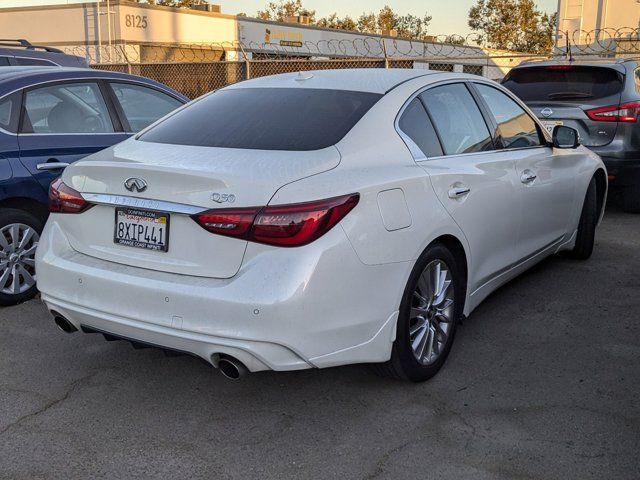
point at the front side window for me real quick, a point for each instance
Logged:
(415, 123)
(515, 127)
(9, 112)
(142, 105)
(66, 108)
(457, 118)
(296, 119)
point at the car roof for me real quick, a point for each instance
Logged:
(13, 78)
(373, 80)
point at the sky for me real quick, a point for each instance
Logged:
(449, 16)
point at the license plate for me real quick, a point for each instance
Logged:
(551, 124)
(142, 229)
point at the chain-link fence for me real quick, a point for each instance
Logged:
(197, 78)
(195, 69)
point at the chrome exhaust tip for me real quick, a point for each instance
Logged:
(63, 324)
(232, 368)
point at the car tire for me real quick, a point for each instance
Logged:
(631, 199)
(585, 238)
(440, 309)
(19, 235)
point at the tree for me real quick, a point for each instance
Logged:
(367, 23)
(333, 21)
(455, 40)
(512, 25)
(387, 19)
(280, 11)
(411, 26)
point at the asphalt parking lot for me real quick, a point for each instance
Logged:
(543, 382)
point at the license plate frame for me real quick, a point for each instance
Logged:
(549, 125)
(126, 238)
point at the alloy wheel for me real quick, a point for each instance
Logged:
(18, 244)
(432, 312)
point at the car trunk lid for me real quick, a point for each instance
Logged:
(180, 180)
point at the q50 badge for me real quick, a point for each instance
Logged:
(223, 197)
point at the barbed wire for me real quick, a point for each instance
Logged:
(603, 42)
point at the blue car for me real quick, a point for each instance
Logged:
(49, 118)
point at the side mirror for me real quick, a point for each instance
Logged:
(565, 137)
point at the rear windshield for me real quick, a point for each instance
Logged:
(265, 119)
(563, 83)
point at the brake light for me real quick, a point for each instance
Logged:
(64, 199)
(291, 225)
(559, 67)
(232, 222)
(627, 113)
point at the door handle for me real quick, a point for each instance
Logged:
(52, 166)
(528, 176)
(457, 192)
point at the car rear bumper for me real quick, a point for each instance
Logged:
(286, 309)
(623, 173)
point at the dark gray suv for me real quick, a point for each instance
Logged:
(22, 53)
(600, 99)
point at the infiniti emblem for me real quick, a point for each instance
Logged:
(546, 112)
(134, 184)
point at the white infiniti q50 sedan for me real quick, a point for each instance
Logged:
(316, 219)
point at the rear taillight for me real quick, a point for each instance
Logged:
(291, 225)
(64, 199)
(627, 112)
(232, 222)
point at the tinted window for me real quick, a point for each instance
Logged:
(141, 105)
(266, 119)
(33, 61)
(9, 112)
(457, 119)
(515, 127)
(4, 61)
(415, 123)
(563, 83)
(66, 108)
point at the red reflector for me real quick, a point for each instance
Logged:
(611, 177)
(291, 225)
(64, 199)
(627, 113)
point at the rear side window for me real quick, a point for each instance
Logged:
(4, 61)
(515, 127)
(415, 123)
(457, 118)
(142, 105)
(560, 82)
(266, 119)
(9, 112)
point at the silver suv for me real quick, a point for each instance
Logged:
(600, 99)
